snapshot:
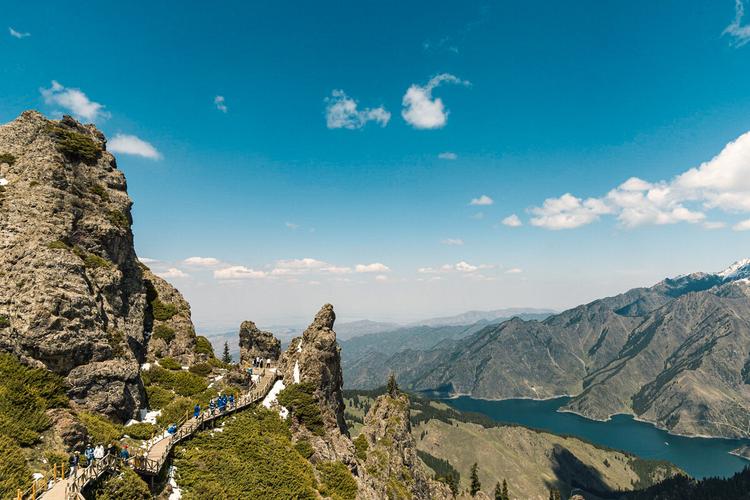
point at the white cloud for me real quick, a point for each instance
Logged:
(132, 145)
(460, 267)
(238, 273)
(742, 226)
(173, 272)
(336, 270)
(375, 267)
(202, 261)
(453, 241)
(448, 156)
(740, 33)
(465, 267)
(146, 260)
(722, 183)
(74, 101)
(17, 34)
(421, 110)
(381, 277)
(512, 221)
(342, 112)
(482, 200)
(298, 266)
(220, 103)
(514, 270)
(291, 225)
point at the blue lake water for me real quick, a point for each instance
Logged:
(699, 457)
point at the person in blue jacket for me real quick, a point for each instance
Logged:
(196, 411)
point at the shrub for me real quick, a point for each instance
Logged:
(253, 458)
(304, 448)
(118, 218)
(14, 473)
(170, 364)
(100, 429)
(141, 430)
(126, 484)
(99, 191)
(58, 245)
(158, 397)
(4, 322)
(182, 382)
(299, 399)
(93, 261)
(337, 481)
(164, 332)
(202, 369)
(25, 394)
(217, 363)
(74, 145)
(162, 311)
(203, 346)
(7, 158)
(361, 446)
(175, 411)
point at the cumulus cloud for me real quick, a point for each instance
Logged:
(342, 112)
(297, 266)
(375, 267)
(221, 103)
(447, 155)
(482, 200)
(460, 267)
(512, 221)
(74, 101)
(132, 145)
(567, 212)
(172, 272)
(452, 241)
(238, 273)
(17, 34)
(739, 32)
(202, 261)
(421, 110)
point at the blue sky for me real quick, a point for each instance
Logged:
(328, 149)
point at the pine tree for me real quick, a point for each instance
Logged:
(475, 484)
(505, 490)
(392, 386)
(226, 357)
(499, 492)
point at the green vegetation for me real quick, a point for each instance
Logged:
(253, 458)
(164, 332)
(90, 260)
(74, 145)
(681, 487)
(100, 191)
(162, 311)
(443, 470)
(202, 369)
(158, 397)
(649, 471)
(25, 394)
(4, 321)
(99, 429)
(203, 346)
(183, 383)
(226, 357)
(304, 448)
(336, 481)
(392, 387)
(475, 484)
(175, 411)
(501, 492)
(299, 399)
(141, 430)
(118, 218)
(126, 484)
(170, 363)
(361, 446)
(58, 245)
(14, 473)
(7, 158)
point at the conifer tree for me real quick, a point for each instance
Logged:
(498, 492)
(505, 490)
(392, 386)
(475, 484)
(226, 357)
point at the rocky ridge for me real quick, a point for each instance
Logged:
(254, 342)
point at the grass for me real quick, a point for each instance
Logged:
(162, 311)
(299, 399)
(7, 158)
(25, 394)
(336, 481)
(252, 458)
(164, 332)
(75, 146)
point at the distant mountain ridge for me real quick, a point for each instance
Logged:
(676, 354)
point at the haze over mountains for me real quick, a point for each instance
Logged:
(676, 354)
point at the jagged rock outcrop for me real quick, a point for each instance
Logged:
(168, 319)
(254, 342)
(72, 293)
(392, 467)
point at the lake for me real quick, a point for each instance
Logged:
(699, 457)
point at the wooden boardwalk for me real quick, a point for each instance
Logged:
(151, 463)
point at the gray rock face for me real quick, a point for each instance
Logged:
(254, 342)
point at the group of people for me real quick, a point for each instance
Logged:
(92, 454)
(220, 403)
(259, 362)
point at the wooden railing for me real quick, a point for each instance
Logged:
(39, 486)
(90, 474)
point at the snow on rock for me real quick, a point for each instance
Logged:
(737, 271)
(3, 181)
(272, 398)
(176, 493)
(296, 372)
(299, 346)
(145, 367)
(37, 476)
(146, 416)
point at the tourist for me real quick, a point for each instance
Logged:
(231, 400)
(112, 449)
(124, 454)
(74, 459)
(211, 406)
(196, 411)
(268, 363)
(89, 452)
(172, 428)
(99, 452)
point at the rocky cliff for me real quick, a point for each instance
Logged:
(257, 343)
(73, 296)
